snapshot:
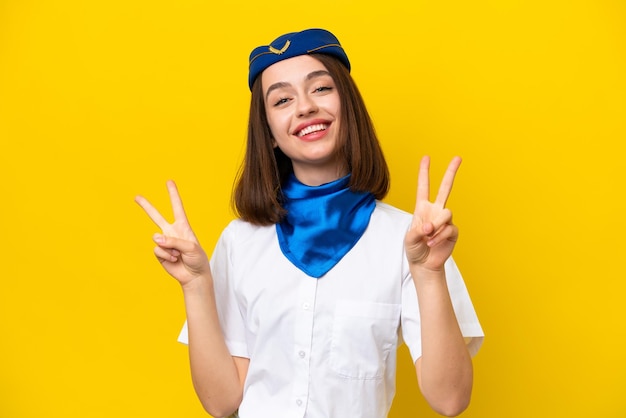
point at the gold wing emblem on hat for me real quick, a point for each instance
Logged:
(280, 51)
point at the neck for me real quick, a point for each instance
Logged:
(316, 176)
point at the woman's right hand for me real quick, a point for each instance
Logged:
(178, 249)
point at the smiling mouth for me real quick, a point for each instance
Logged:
(312, 128)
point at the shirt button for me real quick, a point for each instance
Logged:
(299, 402)
(306, 306)
(302, 354)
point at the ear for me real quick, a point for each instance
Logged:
(274, 143)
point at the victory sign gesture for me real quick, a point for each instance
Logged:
(178, 249)
(432, 235)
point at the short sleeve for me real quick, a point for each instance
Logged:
(228, 308)
(463, 309)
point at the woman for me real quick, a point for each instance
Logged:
(309, 293)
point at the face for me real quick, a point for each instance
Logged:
(302, 107)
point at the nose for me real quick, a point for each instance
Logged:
(306, 106)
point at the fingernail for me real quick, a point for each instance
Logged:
(159, 239)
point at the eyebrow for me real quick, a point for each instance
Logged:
(282, 84)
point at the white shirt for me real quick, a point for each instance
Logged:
(324, 347)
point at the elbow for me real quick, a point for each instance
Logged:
(448, 395)
(220, 408)
(452, 411)
(451, 402)
(452, 406)
(218, 411)
(219, 402)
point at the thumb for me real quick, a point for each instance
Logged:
(182, 245)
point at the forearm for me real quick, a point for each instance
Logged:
(445, 368)
(213, 370)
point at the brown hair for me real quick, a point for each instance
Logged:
(257, 197)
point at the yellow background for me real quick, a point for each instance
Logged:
(101, 100)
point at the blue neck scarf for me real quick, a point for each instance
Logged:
(322, 224)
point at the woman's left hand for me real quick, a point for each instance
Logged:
(431, 238)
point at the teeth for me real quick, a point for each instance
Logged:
(311, 129)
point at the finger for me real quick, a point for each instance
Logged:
(164, 254)
(448, 233)
(414, 236)
(172, 243)
(177, 203)
(448, 181)
(423, 183)
(171, 251)
(154, 214)
(428, 229)
(442, 219)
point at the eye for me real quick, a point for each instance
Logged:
(322, 89)
(281, 101)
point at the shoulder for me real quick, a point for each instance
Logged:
(242, 246)
(239, 232)
(387, 213)
(391, 210)
(388, 223)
